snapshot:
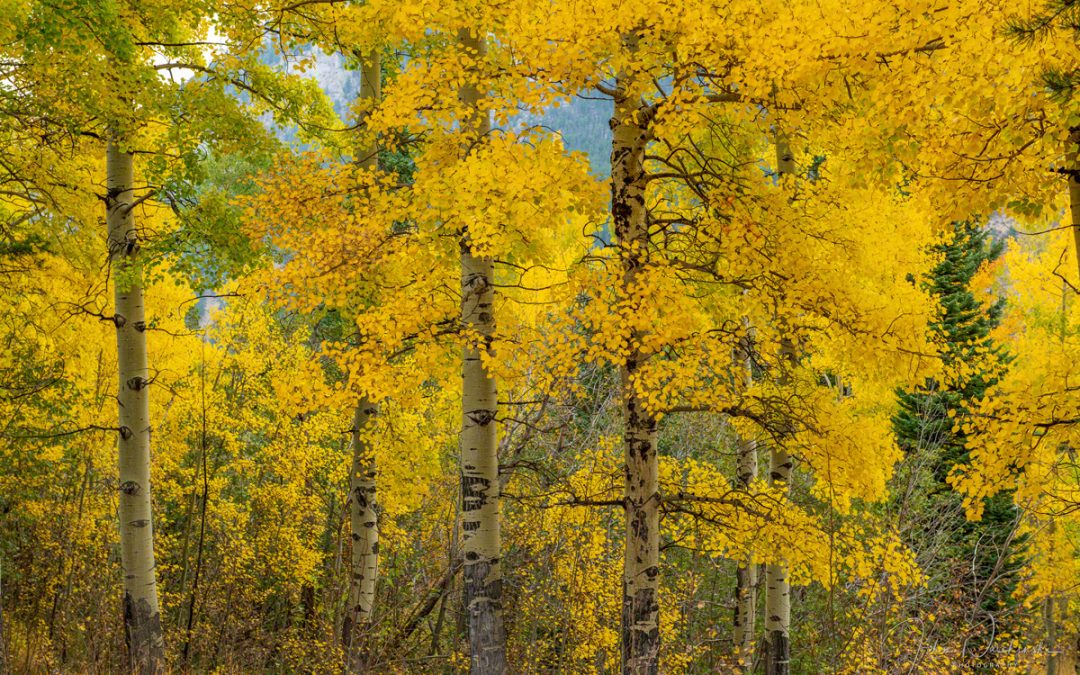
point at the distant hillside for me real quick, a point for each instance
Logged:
(582, 123)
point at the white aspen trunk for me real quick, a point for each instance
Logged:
(142, 619)
(746, 575)
(364, 524)
(1072, 167)
(481, 541)
(641, 556)
(777, 584)
(777, 588)
(363, 517)
(370, 92)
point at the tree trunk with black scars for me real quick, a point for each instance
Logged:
(746, 574)
(364, 526)
(480, 537)
(142, 619)
(641, 557)
(777, 583)
(363, 517)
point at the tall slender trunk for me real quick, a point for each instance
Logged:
(200, 546)
(1051, 637)
(1051, 624)
(641, 556)
(370, 92)
(777, 584)
(480, 537)
(189, 520)
(363, 518)
(364, 524)
(4, 669)
(1072, 168)
(142, 619)
(746, 575)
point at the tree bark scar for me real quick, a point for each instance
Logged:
(141, 618)
(137, 383)
(777, 661)
(143, 637)
(474, 492)
(481, 417)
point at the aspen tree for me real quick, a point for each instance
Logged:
(96, 67)
(777, 583)
(1022, 434)
(1049, 619)
(363, 517)
(142, 619)
(641, 555)
(480, 537)
(746, 574)
(364, 525)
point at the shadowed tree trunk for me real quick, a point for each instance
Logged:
(3, 638)
(1051, 625)
(777, 584)
(480, 537)
(641, 557)
(746, 575)
(142, 620)
(364, 525)
(363, 518)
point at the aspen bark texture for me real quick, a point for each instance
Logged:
(363, 517)
(641, 556)
(777, 584)
(364, 525)
(481, 542)
(746, 575)
(142, 618)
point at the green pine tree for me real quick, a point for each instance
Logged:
(1052, 16)
(972, 566)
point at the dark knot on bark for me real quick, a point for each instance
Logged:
(481, 417)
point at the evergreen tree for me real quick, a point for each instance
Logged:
(973, 563)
